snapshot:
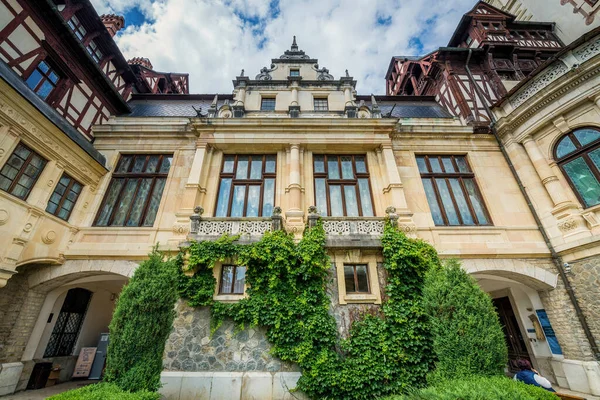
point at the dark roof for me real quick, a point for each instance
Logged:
(10, 77)
(172, 105)
(178, 105)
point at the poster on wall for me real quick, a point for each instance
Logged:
(84, 362)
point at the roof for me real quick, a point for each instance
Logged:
(13, 80)
(173, 105)
(178, 105)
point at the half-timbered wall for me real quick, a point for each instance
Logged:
(24, 42)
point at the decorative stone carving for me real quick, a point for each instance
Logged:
(276, 210)
(353, 227)
(27, 228)
(49, 237)
(591, 219)
(181, 229)
(195, 219)
(255, 227)
(312, 210)
(294, 53)
(4, 217)
(551, 74)
(588, 50)
(219, 227)
(323, 74)
(265, 73)
(568, 225)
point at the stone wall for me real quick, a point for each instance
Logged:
(585, 279)
(190, 346)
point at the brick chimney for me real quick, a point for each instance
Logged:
(113, 23)
(143, 61)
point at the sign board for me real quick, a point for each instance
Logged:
(84, 362)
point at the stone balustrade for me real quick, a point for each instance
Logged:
(353, 225)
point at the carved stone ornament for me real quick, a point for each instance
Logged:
(550, 75)
(312, 210)
(323, 74)
(181, 229)
(198, 210)
(588, 50)
(568, 225)
(4, 217)
(276, 210)
(265, 73)
(294, 53)
(390, 210)
(354, 227)
(49, 237)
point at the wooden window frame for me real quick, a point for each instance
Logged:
(45, 78)
(95, 53)
(72, 182)
(268, 99)
(343, 182)
(26, 163)
(127, 176)
(75, 24)
(235, 269)
(581, 151)
(247, 182)
(460, 176)
(320, 107)
(356, 279)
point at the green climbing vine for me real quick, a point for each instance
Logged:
(287, 294)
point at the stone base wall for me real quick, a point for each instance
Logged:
(585, 280)
(230, 386)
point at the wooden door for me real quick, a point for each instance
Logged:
(517, 348)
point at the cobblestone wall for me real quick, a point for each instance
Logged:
(191, 348)
(585, 279)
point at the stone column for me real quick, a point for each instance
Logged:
(569, 220)
(396, 191)
(8, 142)
(44, 187)
(294, 107)
(295, 215)
(193, 187)
(550, 181)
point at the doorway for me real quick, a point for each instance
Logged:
(517, 349)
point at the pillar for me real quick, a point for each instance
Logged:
(294, 215)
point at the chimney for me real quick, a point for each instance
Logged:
(113, 23)
(143, 61)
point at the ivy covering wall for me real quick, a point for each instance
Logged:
(287, 294)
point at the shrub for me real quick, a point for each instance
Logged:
(467, 336)
(479, 388)
(104, 391)
(141, 324)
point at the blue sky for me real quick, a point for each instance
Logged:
(213, 40)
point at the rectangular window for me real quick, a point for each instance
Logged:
(342, 186)
(320, 104)
(43, 79)
(294, 72)
(247, 186)
(135, 190)
(452, 194)
(77, 28)
(356, 278)
(267, 104)
(64, 197)
(21, 171)
(233, 279)
(94, 51)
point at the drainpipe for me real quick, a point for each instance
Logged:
(556, 259)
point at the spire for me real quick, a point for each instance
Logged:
(294, 45)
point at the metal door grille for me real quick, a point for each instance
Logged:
(68, 324)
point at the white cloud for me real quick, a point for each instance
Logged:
(213, 40)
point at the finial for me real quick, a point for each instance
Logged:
(242, 73)
(347, 74)
(215, 100)
(294, 45)
(373, 101)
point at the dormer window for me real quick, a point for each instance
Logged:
(294, 72)
(94, 51)
(77, 28)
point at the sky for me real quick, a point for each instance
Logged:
(213, 40)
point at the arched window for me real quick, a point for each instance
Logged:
(578, 155)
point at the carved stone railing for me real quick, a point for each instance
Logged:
(232, 226)
(353, 225)
(217, 226)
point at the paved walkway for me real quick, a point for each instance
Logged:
(42, 394)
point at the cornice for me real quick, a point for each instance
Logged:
(550, 94)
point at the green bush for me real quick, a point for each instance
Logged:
(479, 388)
(467, 336)
(104, 391)
(141, 324)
